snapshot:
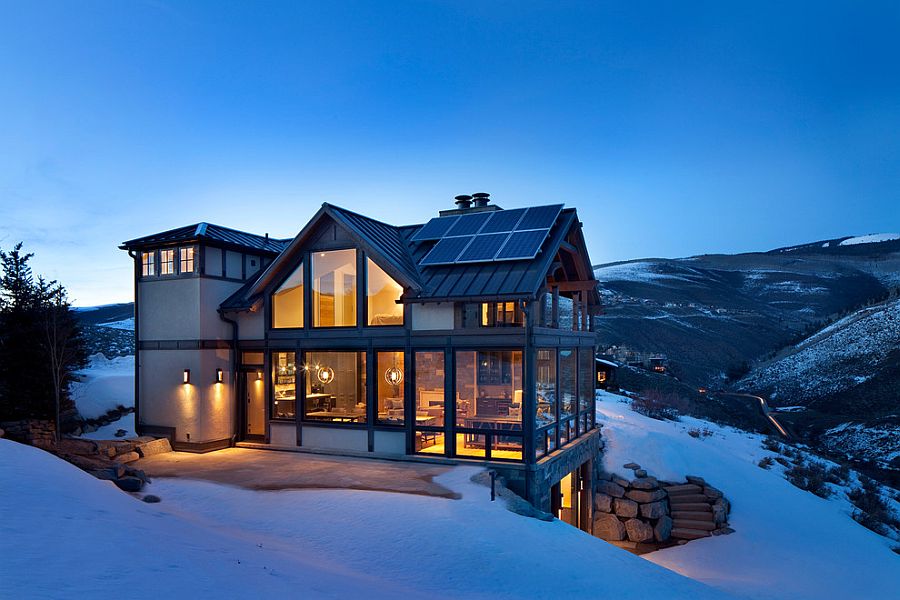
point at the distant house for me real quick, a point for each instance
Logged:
(467, 339)
(606, 374)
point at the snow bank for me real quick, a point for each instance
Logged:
(871, 239)
(788, 543)
(74, 536)
(104, 385)
(124, 324)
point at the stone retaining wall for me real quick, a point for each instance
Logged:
(34, 432)
(644, 514)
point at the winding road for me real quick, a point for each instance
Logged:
(764, 408)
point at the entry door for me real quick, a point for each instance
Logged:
(255, 404)
(568, 499)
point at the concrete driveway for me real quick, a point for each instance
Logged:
(273, 470)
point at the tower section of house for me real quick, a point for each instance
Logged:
(184, 375)
(467, 338)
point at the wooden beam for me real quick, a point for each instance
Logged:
(577, 286)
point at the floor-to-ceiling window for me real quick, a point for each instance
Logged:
(335, 387)
(489, 404)
(382, 293)
(568, 370)
(585, 389)
(429, 426)
(545, 394)
(390, 374)
(334, 288)
(284, 396)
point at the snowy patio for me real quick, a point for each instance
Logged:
(268, 470)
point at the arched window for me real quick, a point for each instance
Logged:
(287, 301)
(382, 293)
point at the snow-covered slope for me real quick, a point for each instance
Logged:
(789, 544)
(68, 535)
(104, 385)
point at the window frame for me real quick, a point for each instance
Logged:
(181, 260)
(152, 263)
(314, 307)
(367, 396)
(165, 251)
(363, 286)
(304, 297)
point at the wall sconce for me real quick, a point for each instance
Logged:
(219, 376)
(393, 376)
(186, 376)
(325, 375)
(258, 375)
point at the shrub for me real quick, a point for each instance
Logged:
(772, 445)
(782, 461)
(659, 405)
(809, 476)
(872, 512)
(839, 475)
(767, 462)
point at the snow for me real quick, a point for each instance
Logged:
(73, 536)
(789, 544)
(108, 432)
(124, 324)
(640, 271)
(871, 239)
(104, 385)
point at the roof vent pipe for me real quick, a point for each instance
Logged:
(481, 199)
(463, 202)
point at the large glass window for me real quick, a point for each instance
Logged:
(568, 368)
(335, 387)
(585, 383)
(287, 301)
(148, 264)
(382, 293)
(284, 375)
(186, 256)
(334, 288)
(391, 398)
(430, 401)
(501, 314)
(167, 262)
(546, 387)
(489, 397)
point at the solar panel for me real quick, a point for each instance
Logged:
(469, 224)
(435, 228)
(522, 244)
(446, 250)
(483, 247)
(503, 220)
(539, 217)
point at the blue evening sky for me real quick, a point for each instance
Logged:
(675, 128)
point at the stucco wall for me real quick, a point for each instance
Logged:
(390, 442)
(283, 434)
(432, 316)
(212, 293)
(335, 439)
(251, 326)
(169, 309)
(202, 409)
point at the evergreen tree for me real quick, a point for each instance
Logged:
(41, 345)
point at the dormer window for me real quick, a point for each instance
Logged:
(167, 262)
(382, 294)
(148, 264)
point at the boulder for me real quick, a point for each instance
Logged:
(696, 480)
(632, 465)
(711, 492)
(663, 528)
(129, 484)
(719, 515)
(127, 457)
(611, 488)
(638, 531)
(608, 527)
(625, 508)
(2, 433)
(151, 499)
(654, 510)
(603, 503)
(640, 473)
(724, 503)
(620, 481)
(120, 433)
(645, 483)
(644, 496)
(154, 447)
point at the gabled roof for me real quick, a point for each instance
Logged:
(400, 256)
(209, 232)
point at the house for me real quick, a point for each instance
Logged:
(465, 339)
(606, 374)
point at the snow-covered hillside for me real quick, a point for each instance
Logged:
(839, 357)
(788, 543)
(73, 536)
(104, 385)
